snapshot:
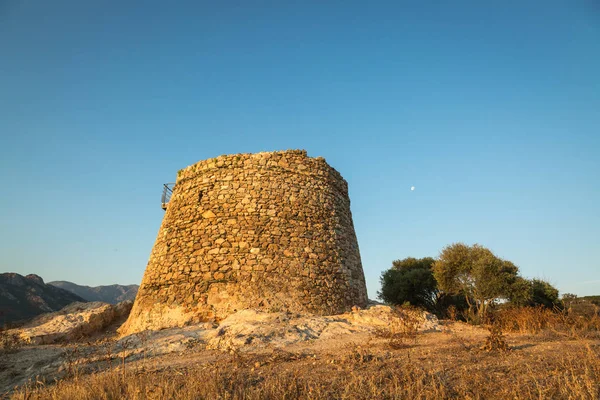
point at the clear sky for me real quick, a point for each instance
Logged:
(490, 109)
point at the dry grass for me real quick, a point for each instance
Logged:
(355, 374)
(463, 362)
(534, 320)
(9, 342)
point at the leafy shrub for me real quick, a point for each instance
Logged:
(410, 281)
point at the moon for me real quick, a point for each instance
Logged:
(412, 188)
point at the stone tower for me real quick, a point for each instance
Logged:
(268, 230)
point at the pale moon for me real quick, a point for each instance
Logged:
(412, 188)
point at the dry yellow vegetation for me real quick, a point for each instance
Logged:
(526, 354)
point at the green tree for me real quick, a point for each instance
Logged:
(520, 292)
(475, 272)
(410, 281)
(533, 292)
(544, 294)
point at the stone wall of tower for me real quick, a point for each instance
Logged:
(267, 230)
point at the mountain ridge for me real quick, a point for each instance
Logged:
(111, 294)
(24, 297)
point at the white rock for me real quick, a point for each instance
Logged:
(73, 321)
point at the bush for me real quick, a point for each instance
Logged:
(532, 293)
(544, 294)
(410, 281)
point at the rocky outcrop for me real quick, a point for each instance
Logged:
(24, 297)
(111, 294)
(271, 231)
(254, 329)
(75, 321)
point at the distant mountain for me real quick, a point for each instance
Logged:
(112, 294)
(24, 297)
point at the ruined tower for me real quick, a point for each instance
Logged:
(269, 230)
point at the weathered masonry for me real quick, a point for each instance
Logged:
(269, 230)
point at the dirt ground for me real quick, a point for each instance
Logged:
(451, 362)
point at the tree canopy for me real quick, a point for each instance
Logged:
(469, 278)
(475, 272)
(543, 294)
(410, 281)
(533, 292)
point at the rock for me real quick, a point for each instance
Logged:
(72, 322)
(385, 316)
(208, 214)
(280, 329)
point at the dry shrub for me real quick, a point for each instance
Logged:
(577, 326)
(358, 354)
(533, 320)
(452, 312)
(407, 320)
(9, 341)
(525, 319)
(404, 326)
(496, 340)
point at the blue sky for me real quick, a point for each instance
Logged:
(490, 109)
